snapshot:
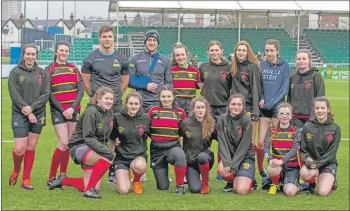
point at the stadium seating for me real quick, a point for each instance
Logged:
(333, 45)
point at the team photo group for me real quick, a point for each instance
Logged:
(254, 108)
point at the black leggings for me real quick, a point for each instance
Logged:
(175, 157)
(193, 172)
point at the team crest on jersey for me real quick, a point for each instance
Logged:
(330, 136)
(292, 86)
(239, 130)
(21, 78)
(110, 122)
(308, 84)
(206, 74)
(121, 129)
(71, 69)
(247, 113)
(309, 136)
(289, 135)
(42, 120)
(141, 129)
(187, 134)
(224, 75)
(100, 125)
(246, 165)
(39, 78)
(190, 75)
(244, 76)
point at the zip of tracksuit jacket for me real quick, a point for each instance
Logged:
(234, 134)
(193, 141)
(29, 87)
(93, 129)
(304, 88)
(140, 65)
(216, 82)
(274, 82)
(246, 81)
(320, 142)
(132, 133)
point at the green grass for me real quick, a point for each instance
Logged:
(16, 198)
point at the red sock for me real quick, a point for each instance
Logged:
(260, 157)
(137, 177)
(28, 164)
(64, 162)
(312, 180)
(229, 178)
(78, 183)
(56, 160)
(180, 173)
(275, 179)
(219, 157)
(204, 173)
(17, 161)
(98, 171)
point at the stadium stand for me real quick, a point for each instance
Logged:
(333, 45)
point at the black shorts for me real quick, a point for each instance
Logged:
(330, 168)
(246, 169)
(218, 110)
(299, 122)
(272, 113)
(117, 107)
(21, 125)
(185, 104)
(58, 118)
(289, 174)
(79, 154)
(159, 153)
(124, 163)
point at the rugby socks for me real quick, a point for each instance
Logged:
(78, 183)
(204, 169)
(17, 161)
(64, 161)
(56, 160)
(99, 169)
(28, 164)
(275, 179)
(180, 173)
(229, 178)
(137, 176)
(312, 180)
(260, 157)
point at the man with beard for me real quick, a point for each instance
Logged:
(106, 67)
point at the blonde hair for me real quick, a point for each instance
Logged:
(284, 105)
(24, 51)
(308, 55)
(178, 45)
(275, 43)
(208, 120)
(100, 92)
(250, 56)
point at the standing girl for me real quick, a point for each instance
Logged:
(89, 145)
(131, 128)
(197, 132)
(186, 78)
(275, 82)
(66, 93)
(319, 147)
(234, 131)
(305, 85)
(29, 88)
(165, 147)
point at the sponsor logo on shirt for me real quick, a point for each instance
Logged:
(239, 130)
(244, 76)
(206, 74)
(308, 136)
(142, 60)
(39, 78)
(223, 75)
(141, 129)
(246, 165)
(159, 61)
(330, 136)
(187, 134)
(308, 84)
(121, 129)
(110, 122)
(100, 125)
(21, 78)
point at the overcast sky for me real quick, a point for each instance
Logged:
(83, 8)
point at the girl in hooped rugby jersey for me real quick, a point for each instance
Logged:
(165, 145)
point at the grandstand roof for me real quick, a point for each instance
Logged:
(229, 6)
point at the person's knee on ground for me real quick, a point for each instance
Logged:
(290, 189)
